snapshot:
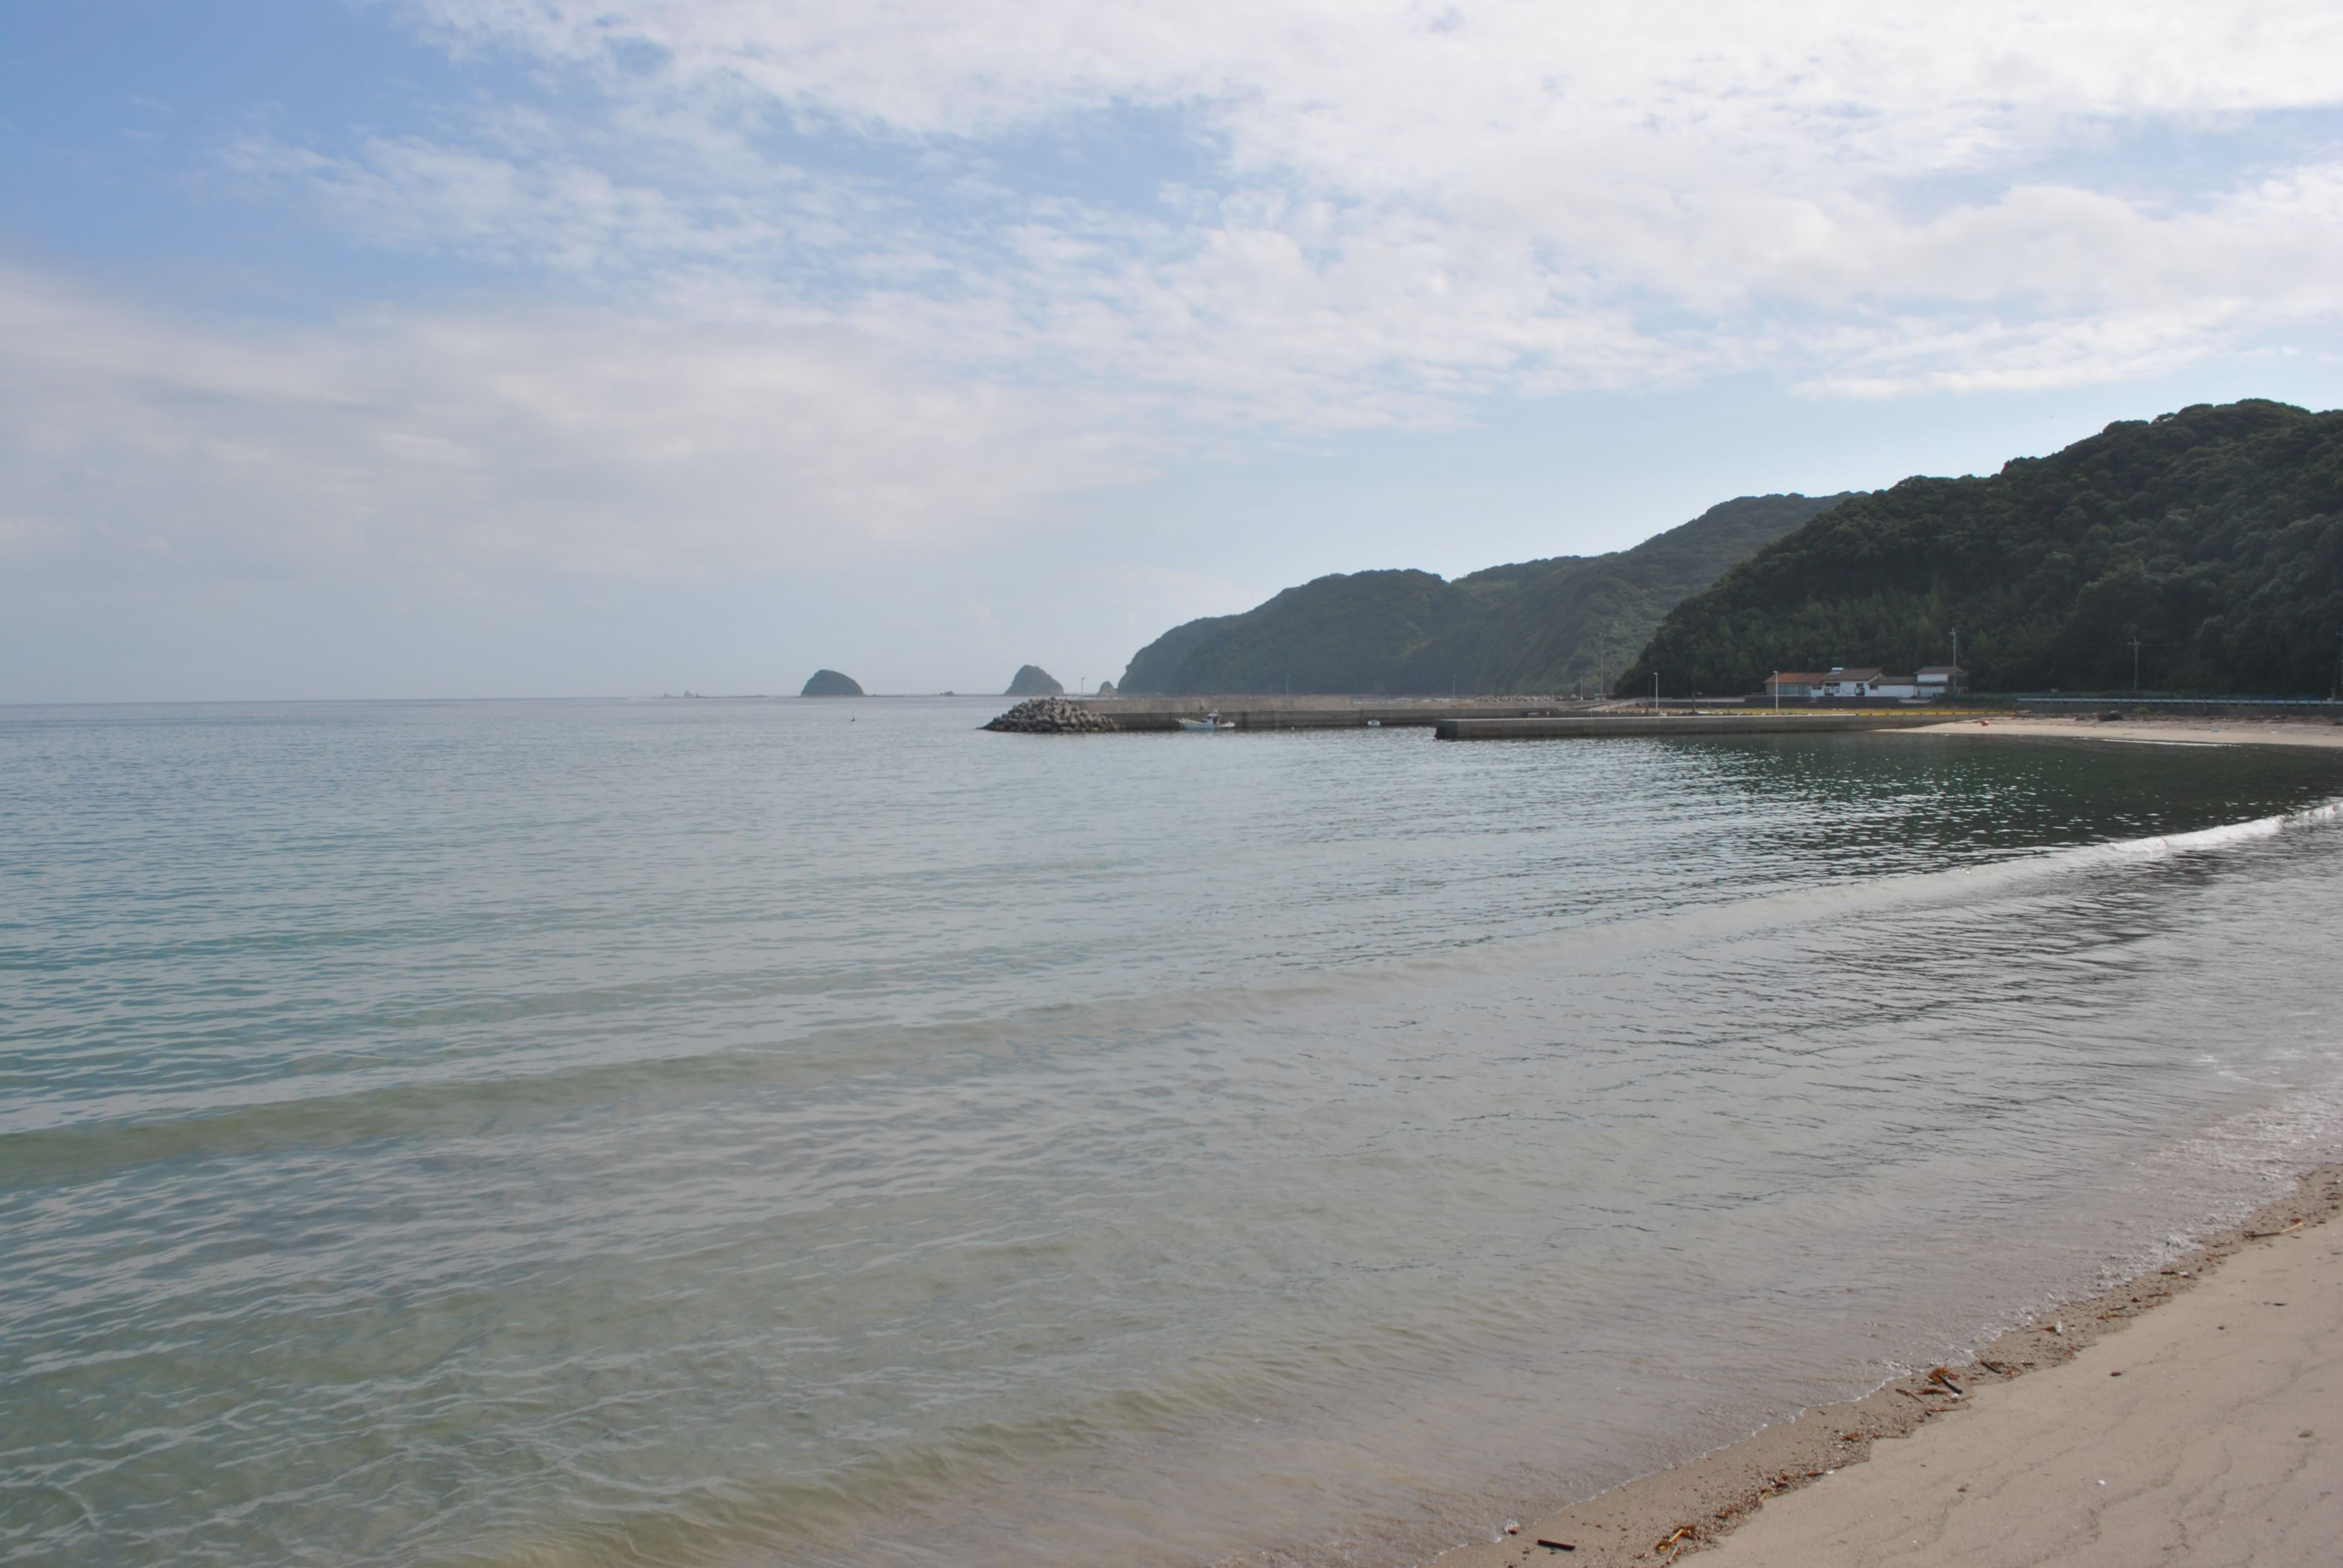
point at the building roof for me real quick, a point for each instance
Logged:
(1942, 669)
(1867, 672)
(1798, 677)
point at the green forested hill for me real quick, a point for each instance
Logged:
(1532, 626)
(2214, 536)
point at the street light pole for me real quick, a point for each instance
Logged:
(2134, 664)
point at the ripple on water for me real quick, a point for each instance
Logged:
(595, 1132)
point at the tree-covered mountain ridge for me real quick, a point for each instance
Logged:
(2213, 536)
(1543, 625)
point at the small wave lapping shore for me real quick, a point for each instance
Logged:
(2214, 1438)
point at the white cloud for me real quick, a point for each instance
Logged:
(573, 440)
(1366, 74)
(1404, 204)
(803, 282)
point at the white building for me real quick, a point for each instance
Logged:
(1843, 681)
(1933, 682)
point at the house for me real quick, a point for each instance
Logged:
(1868, 681)
(1843, 681)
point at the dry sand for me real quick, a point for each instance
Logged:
(2321, 732)
(2204, 1432)
(2211, 1431)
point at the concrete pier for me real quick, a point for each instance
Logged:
(1274, 713)
(1615, 727)
(1491, 718)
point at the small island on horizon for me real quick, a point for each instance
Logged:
(830, 683)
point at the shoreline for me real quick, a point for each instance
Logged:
(1715, 1505)
(2319, 734)
(1717, 1501)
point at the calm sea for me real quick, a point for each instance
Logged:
(822, 1133)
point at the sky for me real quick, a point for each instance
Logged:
(381, 349)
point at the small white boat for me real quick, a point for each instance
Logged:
(1208, 724)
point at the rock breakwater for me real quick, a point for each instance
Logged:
(1053, 715)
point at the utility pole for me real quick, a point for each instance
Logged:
(1655, 691)
(2134, 664)
(1776, 684)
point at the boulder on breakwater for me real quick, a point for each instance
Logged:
(1053, 715)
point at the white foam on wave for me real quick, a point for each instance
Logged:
(2224, 836)
(2271, 1144)
(2231, 1169)
(1604, 944)
(2118, 852)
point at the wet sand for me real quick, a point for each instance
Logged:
(2190, 1416)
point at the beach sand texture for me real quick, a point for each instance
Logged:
(2205, 1432)
(2257, 731)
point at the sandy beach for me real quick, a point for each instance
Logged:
(2320, 732)
(2204, 1434)
(2189, 1416)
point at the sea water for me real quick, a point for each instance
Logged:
(825, 1133)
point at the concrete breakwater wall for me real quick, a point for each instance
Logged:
(1673, 725)
(1462, 719)
(1276, 713)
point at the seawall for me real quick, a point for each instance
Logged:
(1675, 726)
(1272, 713)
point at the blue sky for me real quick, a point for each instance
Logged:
(531, 346)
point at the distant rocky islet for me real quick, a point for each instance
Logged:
(830, 683)
(1032, 680)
